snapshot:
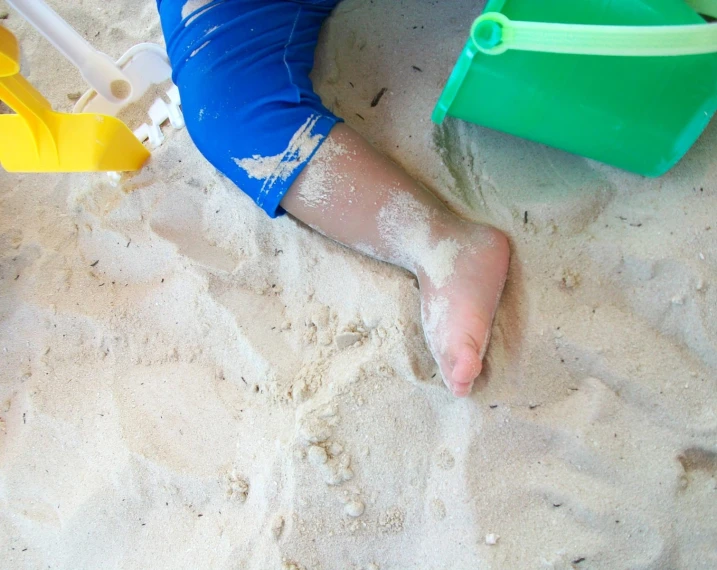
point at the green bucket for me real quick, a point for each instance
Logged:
(631, 83)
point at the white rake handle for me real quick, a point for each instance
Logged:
(96, 68)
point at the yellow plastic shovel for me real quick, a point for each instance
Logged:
(38, 139)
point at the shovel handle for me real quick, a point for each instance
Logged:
(9, 54)
(96, 68)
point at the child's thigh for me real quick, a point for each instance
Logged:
(242, 68)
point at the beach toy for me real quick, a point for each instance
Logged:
(631, 83)
(114, 85)
(38, 139)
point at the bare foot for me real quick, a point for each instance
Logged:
(354, 195)
(458, 313)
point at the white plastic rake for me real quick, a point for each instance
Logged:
(114, 86)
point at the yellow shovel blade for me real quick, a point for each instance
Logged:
(82, 143)
(38, 139)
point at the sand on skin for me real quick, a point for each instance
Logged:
(222, 391)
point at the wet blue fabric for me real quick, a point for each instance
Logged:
(242, 68)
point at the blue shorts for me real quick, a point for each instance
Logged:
(242, 68)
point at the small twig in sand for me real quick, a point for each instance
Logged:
(378, 96)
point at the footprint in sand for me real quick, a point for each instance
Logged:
(181, 220)
(259, 319)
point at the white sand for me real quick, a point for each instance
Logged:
(404, 224)
(283, 165)
(321, 178)
(173, 392)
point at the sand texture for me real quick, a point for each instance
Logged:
(187, 384)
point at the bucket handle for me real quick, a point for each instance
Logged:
(493, 34)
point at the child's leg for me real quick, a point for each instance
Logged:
(354, 195)
(242, 68)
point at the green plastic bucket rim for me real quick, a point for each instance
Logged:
(493, 33)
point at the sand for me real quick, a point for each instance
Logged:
(187, 384)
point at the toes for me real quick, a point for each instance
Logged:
(467, 366)
(461, 357)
